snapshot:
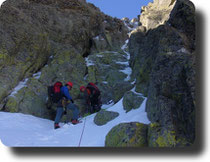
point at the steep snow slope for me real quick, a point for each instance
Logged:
(25, 130)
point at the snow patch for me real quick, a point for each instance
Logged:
(125, 45)
(105, 82)
(99, 56)
(96, 38)
(106, 106)
(37, 75)
(99, 38)
(85, 77)
(134, 82)
(183, 50)
(128, 72)
(137, 93)
(114, 52)
(123, 63)
(89, 62)
(18, 87)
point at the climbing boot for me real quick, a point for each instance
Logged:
(75, 121)
(56, 126)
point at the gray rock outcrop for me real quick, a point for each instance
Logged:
(156, 13)
(163, 61)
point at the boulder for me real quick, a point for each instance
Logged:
(132, 100)
(127, 135)
(103, 117)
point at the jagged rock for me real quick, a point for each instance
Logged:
(127, 135)
(105, 41)
(132, 100)
(163, 61)
(184, 10)
(131, 24)
(134, 22)
(102, 117)
(126, 19)
(156, 13)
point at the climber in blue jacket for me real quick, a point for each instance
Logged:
(67, 103)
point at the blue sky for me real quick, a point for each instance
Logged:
(120, 8)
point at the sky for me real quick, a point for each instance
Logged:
(120, 8)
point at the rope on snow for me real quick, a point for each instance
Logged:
(82, 133)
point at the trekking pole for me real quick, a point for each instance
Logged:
(82, 133)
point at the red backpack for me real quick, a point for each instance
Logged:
(93, 89)
(54, 92)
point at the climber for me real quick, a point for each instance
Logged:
(92, 96)
(66, 102)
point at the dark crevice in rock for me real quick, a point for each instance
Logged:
(87, 51)
(4, 105)
(86, 54)
(172, 2)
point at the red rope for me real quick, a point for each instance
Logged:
(82, 133)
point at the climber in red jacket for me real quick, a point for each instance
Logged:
(92, 96)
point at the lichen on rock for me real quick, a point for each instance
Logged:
(163, 58)
(127, 135)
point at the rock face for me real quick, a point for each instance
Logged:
(127, 135)
(163, 61)
(102, 117)
(109, 69)
(156, 13)
(47, 41)
(159, 136)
